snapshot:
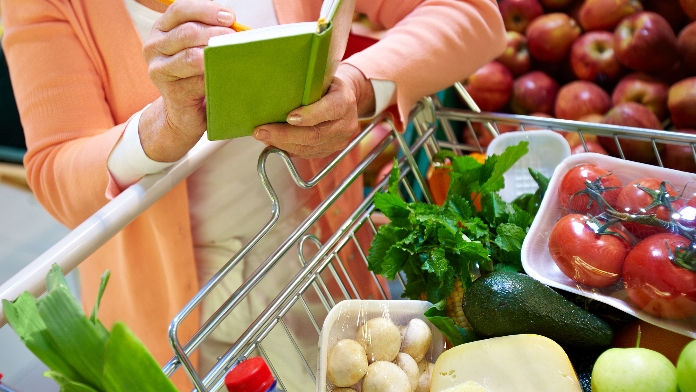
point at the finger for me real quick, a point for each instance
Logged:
(187, 35)
(186, 92)
(203, 11)
(280, 133)
(184, 64)
(308, 152)
(334, 105)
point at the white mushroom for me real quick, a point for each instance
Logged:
(424, 378)
(410, 367)
(383, 376)
(416, 339)
(380, 338)
(343, 390)
(347, 363)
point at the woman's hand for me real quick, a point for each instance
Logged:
(174, 52)
(328, 125)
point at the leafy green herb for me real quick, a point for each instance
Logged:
(433, 245)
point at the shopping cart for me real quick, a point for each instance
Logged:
(321, 278)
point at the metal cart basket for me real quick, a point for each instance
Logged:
(320, 277)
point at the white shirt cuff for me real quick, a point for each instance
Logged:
(128, 162)
(384, 90)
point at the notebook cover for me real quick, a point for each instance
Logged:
(254, 83)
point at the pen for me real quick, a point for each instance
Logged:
(235, 26)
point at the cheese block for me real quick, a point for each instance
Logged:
(515, 363)
(468, 386)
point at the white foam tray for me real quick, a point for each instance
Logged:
(343, 321)
(537, 261)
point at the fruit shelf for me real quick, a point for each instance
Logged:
(316, 272)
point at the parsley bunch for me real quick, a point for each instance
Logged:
(434, 244)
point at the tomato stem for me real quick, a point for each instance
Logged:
(683, 256)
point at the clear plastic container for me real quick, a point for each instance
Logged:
(344, 320)
(538, 262)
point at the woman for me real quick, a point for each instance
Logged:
(83, 75)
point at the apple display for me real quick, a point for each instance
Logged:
(686, 368)
(534, 92)
(681, 102)
(550, 36)
(481, 135)
(686, 45)
(580, 98)
(689, 6)
(490, 86)
(645, 42)
(632, 114)
(606, 14)
(556, 4)
(592, 58)
(680, 157)
(516, 55)
(644, 89)
(671, 10)
(633, 369)
(517, 14)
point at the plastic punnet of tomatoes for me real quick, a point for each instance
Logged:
(620, 232)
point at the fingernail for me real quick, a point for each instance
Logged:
(294, 119)
(261, 134)
(225, 18)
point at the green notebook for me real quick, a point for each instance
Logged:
(258, 76)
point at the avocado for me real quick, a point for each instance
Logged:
(509, 303)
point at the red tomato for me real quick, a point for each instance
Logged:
(574, 181)
(655, 283)
(687, 213)
(584, 256)
(633, 200)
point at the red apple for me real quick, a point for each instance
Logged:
(671, 10)
(574, 10)
(686, 45)
(645, 42)
(580, 98)
(591, 147)
(516, 56)
(534, 92)
(681, 102)
(550, 36)
(689, 6)
(680, 157)
(632, 114)
(517, 14)
(606, 14)
(592, 58)
(644, 89)
(482, 134)
(555, 4)
(490, 86)
(592, 118)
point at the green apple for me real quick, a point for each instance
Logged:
(686, 368)
(633, 370)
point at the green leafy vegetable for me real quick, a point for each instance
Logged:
(129, 366)
(434, 245)
(79, 351)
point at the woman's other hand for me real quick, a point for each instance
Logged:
(174, 53)
(328, 125)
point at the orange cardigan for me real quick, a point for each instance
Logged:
(78, 75)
